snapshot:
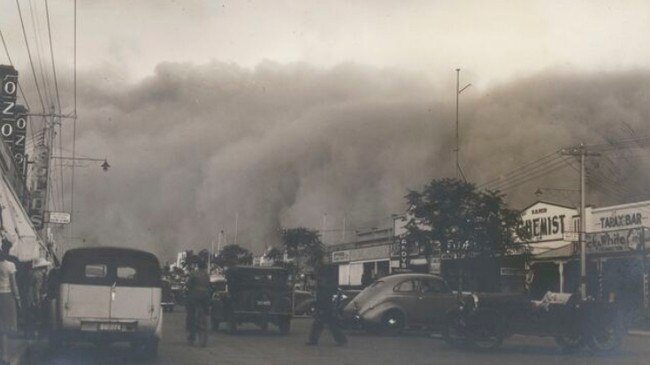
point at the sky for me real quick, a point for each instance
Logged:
(284, 113)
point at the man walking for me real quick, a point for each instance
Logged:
(325, 311)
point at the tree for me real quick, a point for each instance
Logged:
(232, 255)
(304, 245)
(275, 255)
(451, 216)
(454, 217)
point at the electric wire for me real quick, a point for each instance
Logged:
(525, 173)
(29, 54)
(517, 170)
(49, 33)
(548, 170)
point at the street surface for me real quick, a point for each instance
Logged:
(251, 346)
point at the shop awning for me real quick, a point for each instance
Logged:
(16, 224)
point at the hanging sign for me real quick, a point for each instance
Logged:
(38, 186)
(8, 91)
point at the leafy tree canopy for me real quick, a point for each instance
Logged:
(232, 255)
(304, 244)
(454, 217)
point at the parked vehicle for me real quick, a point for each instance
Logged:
(168, 301)
(483, 321)
(259, 295)
(105, 295)
(401, 301)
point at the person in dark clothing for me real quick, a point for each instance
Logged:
(198, 297)
(325, 312)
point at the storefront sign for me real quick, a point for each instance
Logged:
(545, 222)
(624, 240)
(58, 217)
(403, 254)
(38, 186)
(20, 134)
(619, 217)
(8, 91)
(341, 256)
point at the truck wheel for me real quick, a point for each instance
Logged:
(284, 324)
(570, 343)
(485, 331)
(453, 331)
(608, 337)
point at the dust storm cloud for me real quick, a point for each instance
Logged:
(195, 146)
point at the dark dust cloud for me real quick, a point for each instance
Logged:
(195, 146)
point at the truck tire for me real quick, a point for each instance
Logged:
(485, 331)
(453, 330)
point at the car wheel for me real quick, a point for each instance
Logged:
(393, 321)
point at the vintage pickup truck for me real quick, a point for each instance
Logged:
(484, 320)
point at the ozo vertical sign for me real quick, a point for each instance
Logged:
(9, 84)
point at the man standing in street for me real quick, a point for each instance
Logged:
(198, 301)
(325, 312)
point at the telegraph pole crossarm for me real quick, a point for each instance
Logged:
(582, 152)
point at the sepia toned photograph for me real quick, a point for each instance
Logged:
(287, 182)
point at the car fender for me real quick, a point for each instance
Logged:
(374, 314)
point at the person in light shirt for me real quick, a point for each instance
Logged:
(9, 300)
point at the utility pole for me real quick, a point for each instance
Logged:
(582, 152)
(459, 171)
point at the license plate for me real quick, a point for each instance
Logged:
(110, 326)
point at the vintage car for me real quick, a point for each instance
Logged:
(401, 301)
(259, 295)
(107, 294)
(483, 321)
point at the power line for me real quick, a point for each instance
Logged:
(525, 172)
(20, 86)
(29, 54)
(531, 176)
(39, 51)
(49, 33)
(518, 170)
